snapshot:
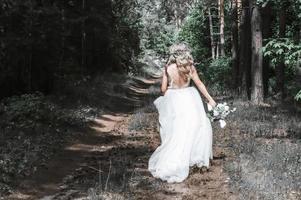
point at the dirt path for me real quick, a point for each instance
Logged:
(109, 161)
(50, 180)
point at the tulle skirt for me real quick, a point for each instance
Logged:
(186, 135)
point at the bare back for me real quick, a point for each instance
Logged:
(175, 80)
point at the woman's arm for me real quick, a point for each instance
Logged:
(164, 81)
(200, 85)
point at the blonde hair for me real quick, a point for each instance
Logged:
(181, 56)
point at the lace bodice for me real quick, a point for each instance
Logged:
(174, 78)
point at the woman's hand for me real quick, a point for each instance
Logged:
(212, 103)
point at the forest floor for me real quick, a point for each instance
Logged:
(103, 154)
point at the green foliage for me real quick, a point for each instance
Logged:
(159, 37)
(128, 25)
(158, 32)
(45, 41)
(282, 49)
(217, 73)
(297, 8)
(23, 135)
(25, 106)
(298, 96)
(195, 33)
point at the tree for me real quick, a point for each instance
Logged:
(83, 36)
(234, 43)
(257, 86)
(211, 34)
(221, 26)
(267, 19)
(280, 67)
(245, 50)
(43, 42)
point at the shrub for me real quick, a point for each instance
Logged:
(217, 73)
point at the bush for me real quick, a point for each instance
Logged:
(284, 50)
(195, 33)
(217, 73)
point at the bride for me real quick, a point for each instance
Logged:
(185, 130)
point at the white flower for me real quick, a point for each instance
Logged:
(222, 123)
(226, 108)
(215, 113)
(219, 105)
(209, 107)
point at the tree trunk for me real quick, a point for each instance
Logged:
(222, 25)
(257, 86)
(63, 40)
(31, 49)
(280, 67)
(217, 50)
(245, 51)
(266, 14)
(234, 44)
(211, 34)
(83, 45)
(298, 74)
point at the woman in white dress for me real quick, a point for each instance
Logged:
(185, 130)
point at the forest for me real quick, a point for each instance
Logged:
(77, 85)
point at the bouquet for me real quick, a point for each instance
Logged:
(219, 113)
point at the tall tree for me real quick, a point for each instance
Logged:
(38, 39)
(211, 34)
(221, 10)
(30, 35)
(83, 33)
(245, 50)
(234, 43)
(257, 84)
(63, 39)
(280, 67)
(266, 13)
(298, 41)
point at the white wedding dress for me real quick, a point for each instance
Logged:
(185, 130)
